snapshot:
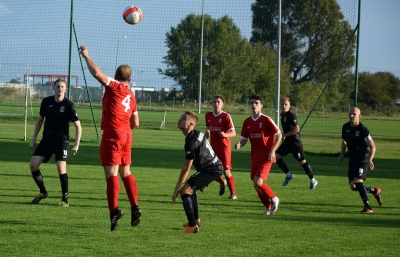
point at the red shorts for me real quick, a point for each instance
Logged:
(115, 148)
(260, 170)
(226, 159)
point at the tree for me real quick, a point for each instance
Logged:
(15, 81)
(313, 36)
(226, 58)
(378, 89)
(264, 73)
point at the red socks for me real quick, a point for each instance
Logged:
(265, 194)
(231, 185)
(112, 192)
(131, 189)
(220, 180)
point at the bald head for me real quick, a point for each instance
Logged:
(355, 110)
(354, 116)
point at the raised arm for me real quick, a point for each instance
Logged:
(92, 66)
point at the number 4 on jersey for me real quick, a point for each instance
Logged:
(126, 102)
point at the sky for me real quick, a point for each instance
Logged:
(36, 38)
(379, 36)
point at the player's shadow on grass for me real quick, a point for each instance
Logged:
(155, 159)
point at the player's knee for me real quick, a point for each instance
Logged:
(353, 187)
(33, 167)
(302, 162)
(227, 173)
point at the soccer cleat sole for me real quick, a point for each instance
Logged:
(135, 220)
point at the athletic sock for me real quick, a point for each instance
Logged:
(188, 207)
(38, 178)
(264, 199)
(131, 189)
(195, 199)
(282, 165)
(267, 191)
(64, 187)
(370, 190)
(113, 188)
(231, 185)
(308, 170)
(363, 194)
(220, 180)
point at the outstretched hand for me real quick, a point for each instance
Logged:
(84, 51)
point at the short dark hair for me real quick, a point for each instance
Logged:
(220, 97)
(257, 97)
(123, 73)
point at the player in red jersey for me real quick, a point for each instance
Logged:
(119, 117)
(265, 137)
(220, 129)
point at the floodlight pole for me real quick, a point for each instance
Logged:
(201, 57)
(70, 49)
(278, 64)
(116, 57)
(357, 49)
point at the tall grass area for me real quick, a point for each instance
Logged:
(321, 222)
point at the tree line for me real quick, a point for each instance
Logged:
(313, 39)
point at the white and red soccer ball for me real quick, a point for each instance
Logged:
(132, 15)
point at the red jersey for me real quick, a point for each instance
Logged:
(217, 123)
(119, 103)
(261, 132)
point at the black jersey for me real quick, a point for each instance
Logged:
(356, 139)
(289, 121)
(199, 150)
(57, 118)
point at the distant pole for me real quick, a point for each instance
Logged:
(26, 102)
(201, 56)
(116, 56)
(278, 64)
(71, 24)
(357, 48)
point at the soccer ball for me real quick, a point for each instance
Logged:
(132, 15)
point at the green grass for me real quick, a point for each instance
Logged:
(320, 222)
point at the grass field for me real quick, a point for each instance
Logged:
(321, 222)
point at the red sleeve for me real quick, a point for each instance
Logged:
(245, 131)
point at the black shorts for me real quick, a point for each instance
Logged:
(357, 170)
(48, 148)
(295, 148)
(201, 179)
